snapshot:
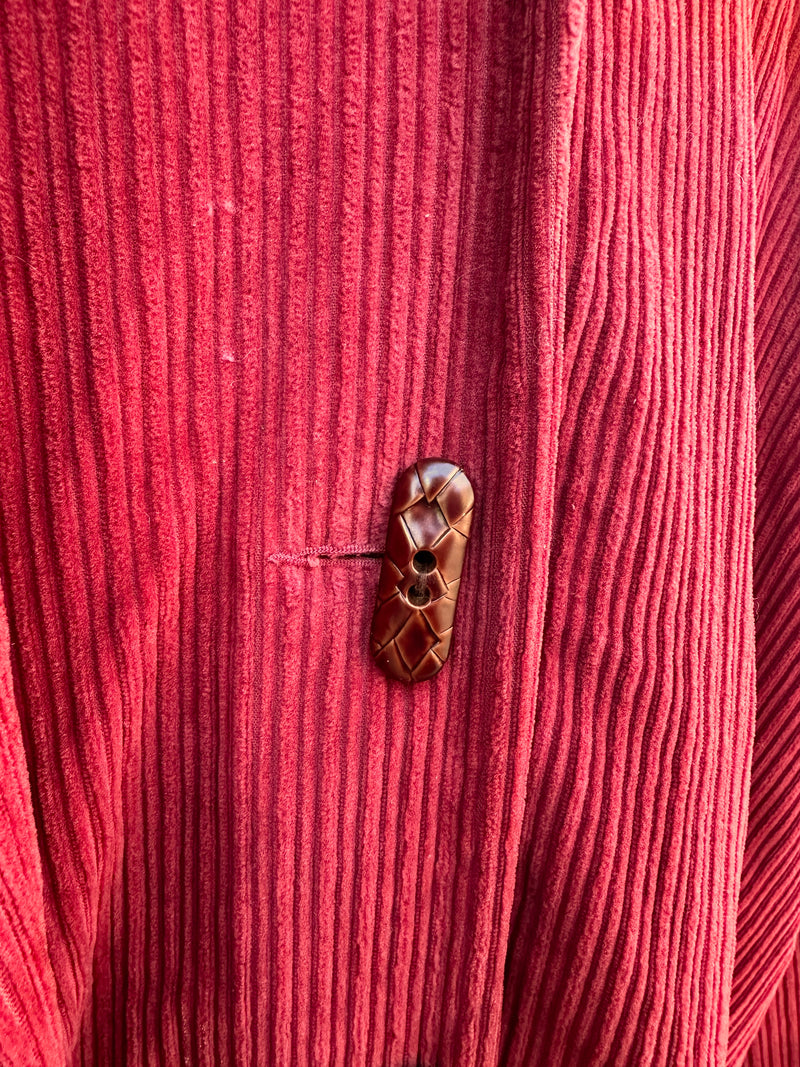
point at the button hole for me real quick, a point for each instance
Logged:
(424, 561)
(419, 596)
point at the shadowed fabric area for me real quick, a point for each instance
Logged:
(256, 259)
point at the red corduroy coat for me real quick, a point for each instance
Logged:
(256, 258)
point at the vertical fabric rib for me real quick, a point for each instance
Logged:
(255, 259)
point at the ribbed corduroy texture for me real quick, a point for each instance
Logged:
(256, 259)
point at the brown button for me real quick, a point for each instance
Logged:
(425, 545)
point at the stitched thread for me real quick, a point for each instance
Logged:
(317, 555)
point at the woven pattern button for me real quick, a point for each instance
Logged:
(426, 543)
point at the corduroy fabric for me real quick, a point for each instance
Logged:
(257, 258)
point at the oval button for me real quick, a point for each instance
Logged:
(425, 545)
